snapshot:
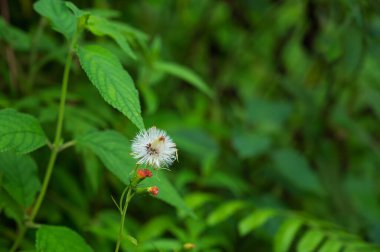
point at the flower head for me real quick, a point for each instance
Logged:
(153, 190)
(154, 147)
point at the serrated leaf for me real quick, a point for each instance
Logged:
(19, 132)
(255, 220)
(62, 19)
(286, 234)
(167, 192)
(224, 211)
(185, 74)
(20, 177)
(114, 151)
(114, 83)
(296, 170)
(310, 240)
(102, 27)
(60, 239)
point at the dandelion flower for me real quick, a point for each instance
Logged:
(154, 147)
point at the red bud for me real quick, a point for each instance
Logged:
(153, 190)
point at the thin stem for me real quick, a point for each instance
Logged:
(121, 231)
(19, 238)
(55, 148)
(65, 81)
(67, 145)
(41, 196)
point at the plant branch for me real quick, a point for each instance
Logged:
(55, 148)
(67, 145)
(123, 214)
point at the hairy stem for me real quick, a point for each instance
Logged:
(123, 214)
(55, 148)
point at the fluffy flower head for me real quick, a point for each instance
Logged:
(154, 147)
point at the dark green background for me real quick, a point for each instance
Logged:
(293, 124)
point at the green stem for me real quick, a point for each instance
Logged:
(19, 238)
(67, 145)
(56, 145)
(41, 196)
(121, 231)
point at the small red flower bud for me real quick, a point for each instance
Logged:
(148, 173)
(141, 173)
(153, 190)
(144, 173)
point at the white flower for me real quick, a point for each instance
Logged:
(154, 147)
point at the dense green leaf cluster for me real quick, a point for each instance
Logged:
(274, 107)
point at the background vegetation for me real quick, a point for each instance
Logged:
(280, 151)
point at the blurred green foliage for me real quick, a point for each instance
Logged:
(280, 150)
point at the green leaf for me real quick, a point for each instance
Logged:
(255, 220)
(162, 245)
(185, 74)
(17, 38)
(199, 199)
(62, 19)
(251, 145)
(224, 211)
(267, 115)
(361, 246)
(60, 239)
(295, 169)
(167, 192)
(331, 246)
(155, 227)
(93, 169)
(77, 12)
(132, 239)
(286, 234)
(114, 83)
(106, 224)
(102, 27)
(310, 240)
(195, 141)
(20, 132)
(20, 177)
(114, 151)
(11, 208)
